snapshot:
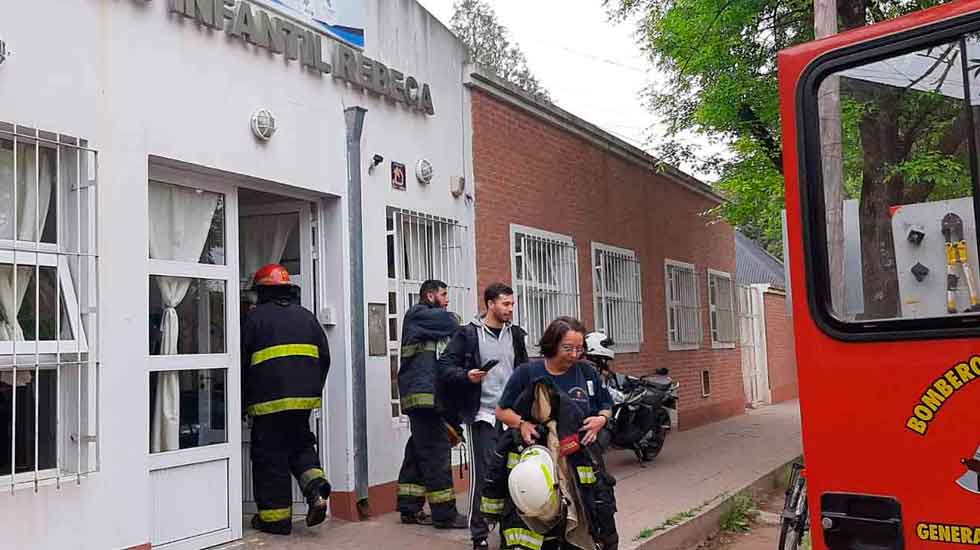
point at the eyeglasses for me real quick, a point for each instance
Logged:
(567, 348)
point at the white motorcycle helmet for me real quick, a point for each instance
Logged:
(533, 485)
(597, 345)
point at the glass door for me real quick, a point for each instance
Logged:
(193, 360)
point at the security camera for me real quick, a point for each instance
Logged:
(375, 161)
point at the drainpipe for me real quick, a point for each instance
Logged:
(354, 117)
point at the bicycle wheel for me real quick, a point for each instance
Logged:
(795, 516)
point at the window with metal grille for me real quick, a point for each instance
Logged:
(49, 377)
(721, 301)
(545, 268)
(420, 247)
(683, 306)
(618, 296)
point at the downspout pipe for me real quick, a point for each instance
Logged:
(354, 118)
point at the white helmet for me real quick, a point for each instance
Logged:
(597, 344)
(534, 486)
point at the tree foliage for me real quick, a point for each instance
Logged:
(476, 24)
(719, 59)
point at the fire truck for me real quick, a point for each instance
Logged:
(882, 164)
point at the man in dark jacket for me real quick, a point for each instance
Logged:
(491, 337)
(426, 472)
(285, 360)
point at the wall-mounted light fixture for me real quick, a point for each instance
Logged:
(263, 124)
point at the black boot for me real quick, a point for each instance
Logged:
(316, 503)
(283, 527)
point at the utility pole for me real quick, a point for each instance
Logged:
(832, 158)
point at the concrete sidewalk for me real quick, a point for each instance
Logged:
(696, 467)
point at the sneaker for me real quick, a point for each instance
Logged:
(420, 518)
(480, 545)
(277, 528)
(316, 510)
(458, 522)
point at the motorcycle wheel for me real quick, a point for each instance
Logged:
(652, 443)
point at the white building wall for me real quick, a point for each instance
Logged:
(135, 81)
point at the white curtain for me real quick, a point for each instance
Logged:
(33, 201)
(33, 195)
(418, 241)
(264, 240)
(180, 220)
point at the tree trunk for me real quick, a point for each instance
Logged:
(879, 136)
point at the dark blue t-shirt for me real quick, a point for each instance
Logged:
(581, 383)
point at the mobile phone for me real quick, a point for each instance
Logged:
(489, 365)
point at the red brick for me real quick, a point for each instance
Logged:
(533, 173)
(780, 351)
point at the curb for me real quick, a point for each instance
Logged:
(706, 524)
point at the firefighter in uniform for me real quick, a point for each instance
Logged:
(426, 473)
(285, 359)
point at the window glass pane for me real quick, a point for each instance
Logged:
(187, 316)
(391, 256)
(44, 309)
(35, 206)
(393, 370)
(186, 225)
(900, 186)
(35, 394)
(199, 399)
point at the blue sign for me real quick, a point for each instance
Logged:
(343, 19)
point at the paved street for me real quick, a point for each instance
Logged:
(696, 466)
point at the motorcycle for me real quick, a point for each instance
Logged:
(643, 406)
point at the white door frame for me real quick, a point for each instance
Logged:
(230, 360)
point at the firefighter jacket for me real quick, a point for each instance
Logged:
(426, 331)
(285, 358)
(584, 485)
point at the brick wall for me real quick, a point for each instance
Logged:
(780, 349)
(533, 173)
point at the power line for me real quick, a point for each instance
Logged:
(588, 56)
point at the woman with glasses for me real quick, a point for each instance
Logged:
(562, 348)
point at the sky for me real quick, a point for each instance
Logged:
(592, 67)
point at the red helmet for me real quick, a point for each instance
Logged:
(272, 275)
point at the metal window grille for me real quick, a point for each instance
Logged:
(683, 306)
(618, 296)
(546, 276)
(722, 308)
(420, 247)
(49, 355)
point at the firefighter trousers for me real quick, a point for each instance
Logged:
(282, 443)
(426, 472)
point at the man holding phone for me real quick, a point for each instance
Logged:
(477, 365)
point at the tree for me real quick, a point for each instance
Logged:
(476, 24)
(719, 58)
(900, 144)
